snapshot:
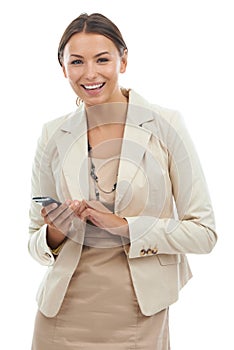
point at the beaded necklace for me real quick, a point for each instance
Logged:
(94, 176)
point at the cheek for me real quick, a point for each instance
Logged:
(72, 74)
(112, 71)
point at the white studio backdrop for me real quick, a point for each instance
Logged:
(181, 57)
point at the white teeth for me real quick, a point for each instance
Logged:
(91, 87)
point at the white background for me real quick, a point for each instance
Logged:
(180, 56)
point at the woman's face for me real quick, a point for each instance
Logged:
(92, 64)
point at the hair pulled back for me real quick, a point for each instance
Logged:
(95, 23)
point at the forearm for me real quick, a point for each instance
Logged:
(121, 228)
(169, 236)
(106, 220)
(54, 237)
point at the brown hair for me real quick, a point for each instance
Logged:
(94, 23)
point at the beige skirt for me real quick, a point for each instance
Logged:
(100, 310)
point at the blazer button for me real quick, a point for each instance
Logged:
(154, 251)
(143, 252)
(149, 251)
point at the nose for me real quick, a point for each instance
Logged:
(91, 71)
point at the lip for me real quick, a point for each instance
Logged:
(93, 87)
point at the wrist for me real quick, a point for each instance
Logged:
(57, 250)
(121, 227)
(54, 237)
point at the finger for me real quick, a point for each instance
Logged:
(78, 206)
(64, 225)
(75, 205)
(54, 212)
(86, 213)
(63, 221)
(94, 216)
(46, 210)
(81, 208)
(59, 217)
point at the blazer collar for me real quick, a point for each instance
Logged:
(135, 141)
(73, 154)
(76, 121)
(139, 112)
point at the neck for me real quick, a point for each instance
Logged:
(106, 114)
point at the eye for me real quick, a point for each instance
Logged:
(76, 62)
(102, 60)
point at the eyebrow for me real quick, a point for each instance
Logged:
(97, 55)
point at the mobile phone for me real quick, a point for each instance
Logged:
(44, 201)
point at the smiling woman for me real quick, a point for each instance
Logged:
(92, 63)
(99, 52)
(134, 202)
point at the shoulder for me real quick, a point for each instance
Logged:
(159, 114)
(54, 125)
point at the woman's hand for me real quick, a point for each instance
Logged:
(105, 220)
(59, 219)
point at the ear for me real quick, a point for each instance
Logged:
(124, 61)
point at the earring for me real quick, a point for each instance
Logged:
(125, 92)
(78, 101)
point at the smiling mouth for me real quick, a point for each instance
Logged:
(93, 86)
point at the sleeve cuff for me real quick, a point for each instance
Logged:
(39, 248)
(141, 243)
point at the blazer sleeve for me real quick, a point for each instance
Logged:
(41, 184)
(192, 227)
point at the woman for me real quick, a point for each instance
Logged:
(133, 202)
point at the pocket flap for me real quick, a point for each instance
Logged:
(169, 259)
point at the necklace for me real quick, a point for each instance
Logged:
(95, 178)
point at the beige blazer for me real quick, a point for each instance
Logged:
(161, 191)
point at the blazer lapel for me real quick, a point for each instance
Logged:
(73, 154)
(73, 150)
(134, 146)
